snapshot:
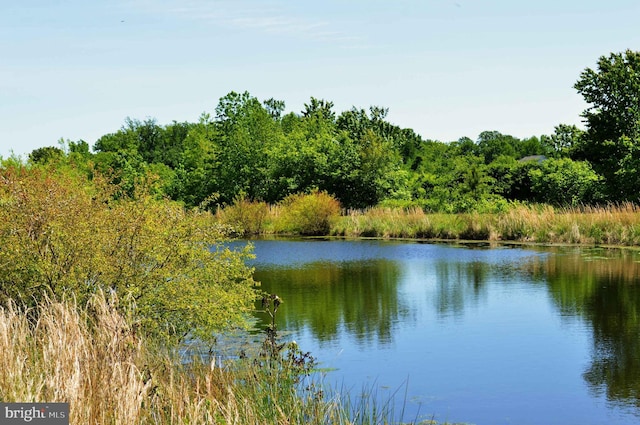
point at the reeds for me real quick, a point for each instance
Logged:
(413, 223)
(604, 225)
(89, 358)
(589, 225)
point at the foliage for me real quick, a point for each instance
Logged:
(309, 214)
(627, 176)
(244, 216)
(253, 148)
(612, 91)
(65, 236)
(566, 182)
(45, 155)
(564, 140)
(613, 117)
(245, 129)
(195, 179)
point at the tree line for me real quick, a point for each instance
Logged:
(252, 149)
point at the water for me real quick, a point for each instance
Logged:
(473, 334)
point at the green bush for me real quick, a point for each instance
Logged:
(309, 214)
(65, 236)
(244, 216)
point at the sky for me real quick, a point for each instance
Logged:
(76, 69)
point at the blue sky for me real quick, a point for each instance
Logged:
(75, 69)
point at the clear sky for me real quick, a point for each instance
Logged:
(75, 69)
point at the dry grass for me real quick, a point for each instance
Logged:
(56, 354)
(603, 225)
(610, 225)
(412, 223)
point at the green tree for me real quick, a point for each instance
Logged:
(565, 139)
(613, 91)
(174, 136)
(246, 132)
(492, 144)
(304, 156)
(531, 146)
(613, 117)
(627, 176)
(566, 182)
(124, 139)
(274, 107)
(503, 171)
(379, 165)
(319, 107)
(196, 176)
(46, 154)
(357, 121)
(124, 167)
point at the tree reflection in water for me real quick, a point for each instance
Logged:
(458, 284)
(366, 300)
(603, 287)
(360, 297)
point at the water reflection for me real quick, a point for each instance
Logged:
(603, 287)
(360, 297)
(495, 309)
(458, 285)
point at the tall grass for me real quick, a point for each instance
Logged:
(603, 225)
(92, 358)
(318, 215)
(413, 223)
(244, 216)
(608, 225)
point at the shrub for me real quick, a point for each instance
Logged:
(62, 235)
(244, 216)
(310, 214)
(566, 182)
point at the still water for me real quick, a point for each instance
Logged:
(482, 335)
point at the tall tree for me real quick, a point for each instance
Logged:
(613, 91)
(492, 144)
(246, 131)
(565, 139)
(46, 154)
(274, 107)
(320, 107)
(613, 117)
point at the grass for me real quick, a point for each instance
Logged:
(587, 225)
(91, 357)
(609, 225)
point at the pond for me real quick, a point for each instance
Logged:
(473, 334)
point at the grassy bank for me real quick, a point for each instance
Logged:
(611, 225)
(92, 358)
(320, 216)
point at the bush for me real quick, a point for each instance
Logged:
(64, 236)
(310, 214)
(566, 182)
(244, 216)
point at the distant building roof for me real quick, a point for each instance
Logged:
(536, 158)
